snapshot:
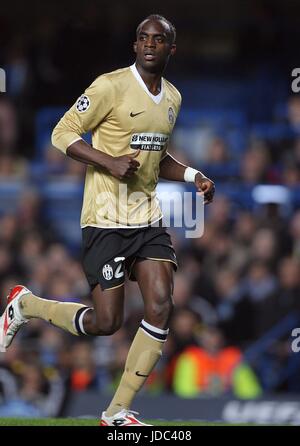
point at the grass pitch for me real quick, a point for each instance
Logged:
(95, 422)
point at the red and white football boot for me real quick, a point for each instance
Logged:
(12, 319)
(123, 418)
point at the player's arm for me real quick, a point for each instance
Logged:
(85, 115)
(173, 170)
(120, 166)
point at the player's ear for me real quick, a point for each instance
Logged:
(173, 49)
(134, 46)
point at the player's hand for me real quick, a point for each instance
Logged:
(206, 187)
(123, 166)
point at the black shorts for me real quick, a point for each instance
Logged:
(108, 253)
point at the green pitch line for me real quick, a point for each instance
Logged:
(95, 422)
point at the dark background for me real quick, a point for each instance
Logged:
(64, 45)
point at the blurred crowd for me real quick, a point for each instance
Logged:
(51, 54)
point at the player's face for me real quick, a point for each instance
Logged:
(153, 46)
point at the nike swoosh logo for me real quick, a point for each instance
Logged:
(140, 374)
(132, 115)
(6, 323)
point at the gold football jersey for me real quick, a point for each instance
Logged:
(123, 117)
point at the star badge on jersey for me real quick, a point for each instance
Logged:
(82, 103)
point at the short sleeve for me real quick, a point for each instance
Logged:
(90, 109)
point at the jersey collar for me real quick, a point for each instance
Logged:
(138, 77)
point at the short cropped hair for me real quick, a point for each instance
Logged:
(163, 19)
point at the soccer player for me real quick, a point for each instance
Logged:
(131, 113)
